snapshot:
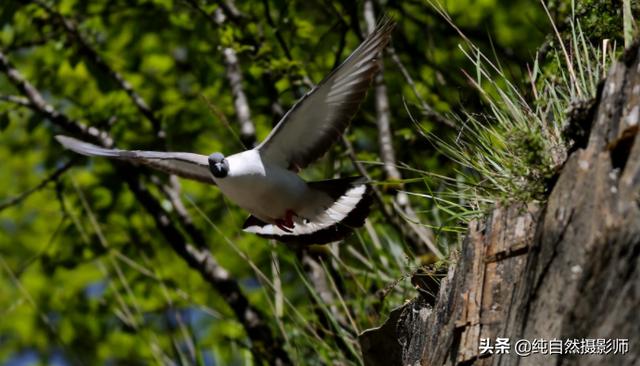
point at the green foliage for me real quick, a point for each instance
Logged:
(85, 276)
(600, 19)
(513, 151)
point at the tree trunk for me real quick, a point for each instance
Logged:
(568, 270)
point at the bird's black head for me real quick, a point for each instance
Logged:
(218, 165)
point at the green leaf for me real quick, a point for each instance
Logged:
(7, 10)
(33, 122)
(4, 121)
(104, 81)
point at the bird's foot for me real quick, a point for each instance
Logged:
(287, 223)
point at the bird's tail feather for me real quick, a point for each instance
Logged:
(351, 204)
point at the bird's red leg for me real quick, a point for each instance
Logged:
(287, 223)
(288, 219)
(282, 225)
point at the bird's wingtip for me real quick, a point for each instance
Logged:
(386, 23)
(62, 139)
(81, 147)
(68, 142)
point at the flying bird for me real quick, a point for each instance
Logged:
(264, 180)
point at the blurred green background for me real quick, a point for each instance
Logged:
(87, 277)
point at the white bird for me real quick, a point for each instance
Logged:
(264, 180)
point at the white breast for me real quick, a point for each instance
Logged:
(266, 191)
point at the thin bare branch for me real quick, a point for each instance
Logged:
(50, 178)
(232, 11)
(172, 191)
(402, 205)
(86, 50)
(264, 344)
(15, 99)
(320, 283)
(276, 29)
(274, 100)
(234, 71)
(414, 233)
(296, 79)
(338, 55)
(427, 110)
(240, 102)
(383, 117)
(39, 104)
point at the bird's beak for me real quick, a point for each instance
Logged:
(219, 169)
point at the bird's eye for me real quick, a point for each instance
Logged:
(219, 169)
(218, 165)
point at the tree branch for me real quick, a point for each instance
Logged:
(402, 204)
(393, 215)
(272, 24)
(37, 102)
(232, 11)
(264, 344)
(234, 75)
(16, 99)
(172, 191)
(385, 139)
(427, 110)
(274, 99)
(234, 72)
(52, 177)
(296, 79)
(92, 55)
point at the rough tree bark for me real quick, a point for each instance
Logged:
(568, 269)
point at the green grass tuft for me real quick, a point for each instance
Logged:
(513, 151)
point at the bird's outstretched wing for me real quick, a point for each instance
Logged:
(318, 119)
(185, 165)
